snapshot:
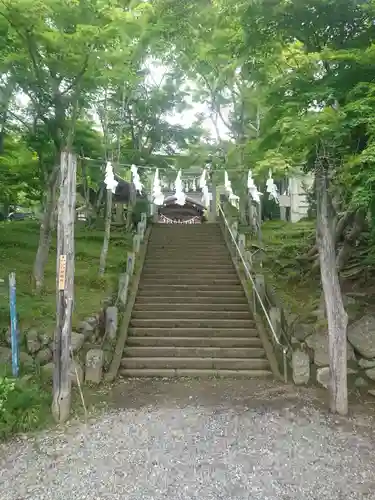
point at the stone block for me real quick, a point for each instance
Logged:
(301, 367)
(32, 341)
(260, 284)
(77, 341)
(360, 382)
(242, 243)
(93, 320)
(302, 331)
(366, 363)
(94, 366)
(111, 322)
(86, 328)
(371, 373)
(361, 334)
(248, 259)
(26, 360)
(130, 263)
(76, 372)
(123, 287)
(44, 356)
(275, 317)
(45, 338)
(323, 376)
(319, 343)
(47, 370)
(136, 243)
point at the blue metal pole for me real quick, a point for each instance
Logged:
(13, 325)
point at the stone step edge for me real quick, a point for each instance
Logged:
(189, 359)
(248, 323)
(168, 314)
(187, 329)
(152, 352)
(202, 339)
(191, 373)
(161, 306)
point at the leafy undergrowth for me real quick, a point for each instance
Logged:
(284, 243)
(295, 280)
(19, 242)
(24, 405)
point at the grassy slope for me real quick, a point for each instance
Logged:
(283, 243)
(26, 402)
(18, 245)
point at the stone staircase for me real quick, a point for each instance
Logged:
(191, 316)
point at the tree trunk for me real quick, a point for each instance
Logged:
(86, 191)
(336, 315)
(243, 210)
(61, 401)
(107, 233)
(45, 233)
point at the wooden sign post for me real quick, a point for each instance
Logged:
(61, 401)
(13, 325)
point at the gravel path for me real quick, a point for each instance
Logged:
(198, 440)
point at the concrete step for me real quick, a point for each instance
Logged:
(182, 275)
(171, 373)
(191, 298)
(192, 252)
(188, 293)
(186, 267)
(198, 239)
(177, 264)
(191, 352)
(196, 363)
(162, 306)
(184, 252)
(191, 261)
(233, 342)
(200, 323)
(175, 240)
(191, 331)
(190, 257)
(188, 249)
(161, 288)
(177, 314)
(185, 228)
(199, 244)
(162, 249)
(196, 280)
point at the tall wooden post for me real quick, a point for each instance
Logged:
(61, 402)
(107, 234)
(213, 214)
